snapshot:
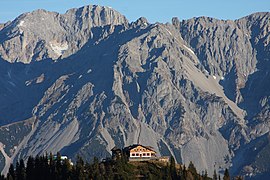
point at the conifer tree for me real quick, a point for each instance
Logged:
(20, 170)
(180, 172)
(109, 171)
(96, 171)
(17, 169)
(11, 172)
(79, 168)
(184, 172)
(205, 175)
(51, 166)
(167, 174)
(9, 177)
(215, 177)
(58, 166)
(2, 177)
(119, 166)
(51, 161)
(173, 168)
(226, 175)
(66, 169)
(46, 167)
(38, 171)
(30, 166)
(192, 168)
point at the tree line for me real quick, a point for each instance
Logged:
(48, 167)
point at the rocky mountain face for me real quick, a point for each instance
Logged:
(88, 80)
(41, 34)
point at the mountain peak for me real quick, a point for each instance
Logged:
(257, 15)
(176, 22)
(100, 15)
(1, 26)
(43, 34)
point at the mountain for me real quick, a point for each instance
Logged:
(88, 80)
(41, 34)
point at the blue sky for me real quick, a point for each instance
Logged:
(153, 10)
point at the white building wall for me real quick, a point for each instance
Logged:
(140, 154)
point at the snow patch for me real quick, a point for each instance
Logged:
(89, 71)
(190, 50)
(214, 77)
(138, 87)
(80, 76)
(59, 48)
(27, 83)
(222, 78)
(21, 23)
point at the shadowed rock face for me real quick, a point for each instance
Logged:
(87, 80)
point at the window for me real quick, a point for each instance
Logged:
(143, 154)
(137, 154)
(148, 154)
(133, 154)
